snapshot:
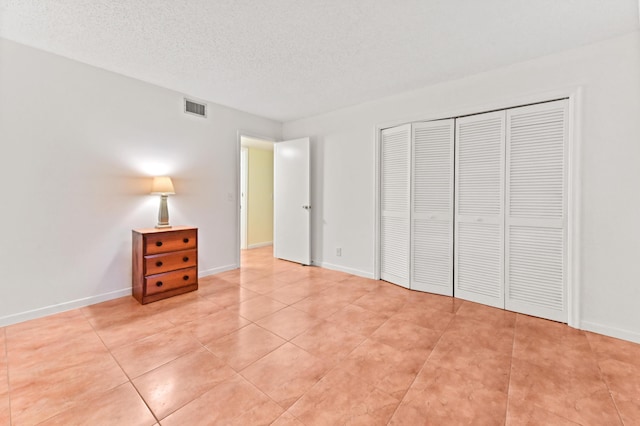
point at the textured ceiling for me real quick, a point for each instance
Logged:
(287, 59)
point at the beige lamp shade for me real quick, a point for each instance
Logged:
(162, 185)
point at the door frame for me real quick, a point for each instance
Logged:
(244, 185)
(239, 135)
(575, 101)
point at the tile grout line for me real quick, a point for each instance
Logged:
(129, 379)
(513, 345)
(202, 345)
(268, 396)
(602, 377)
(330, 370)
(256, 360)
(277, 335)
(290, 340)
(285, 410)
(102, 393)
(6, 358)
(422, 368)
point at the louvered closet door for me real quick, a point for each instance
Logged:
(395, 198)
(432, 207)
(479, 225)
(536, 210)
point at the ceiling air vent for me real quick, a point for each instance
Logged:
(195, 108)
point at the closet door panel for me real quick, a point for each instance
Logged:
(479, 263)
(432, 207)
(479, 204)
(395, 181)
(535, 225)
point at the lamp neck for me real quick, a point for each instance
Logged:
(163, 213)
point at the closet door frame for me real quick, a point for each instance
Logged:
(574, 94)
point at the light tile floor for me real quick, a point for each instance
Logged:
(279, 343)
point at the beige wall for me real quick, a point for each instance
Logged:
(260, 197)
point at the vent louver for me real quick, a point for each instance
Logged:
(195, 108)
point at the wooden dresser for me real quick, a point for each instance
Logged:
(165, 262)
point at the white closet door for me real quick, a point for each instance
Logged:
(479, 227)
(395, 185)
(536, 210)
(432, 207)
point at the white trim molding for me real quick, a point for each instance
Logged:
(63, 307)
(258, 245)
(213, 271)
(351, 271)
(606, 330)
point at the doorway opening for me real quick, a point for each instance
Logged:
(256, 192)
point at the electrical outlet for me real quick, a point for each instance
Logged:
(339, 251)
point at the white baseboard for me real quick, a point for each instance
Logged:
(258, 245)
(213, 271)
(618, 333)
(351, 271)
(80, 303)
(62, 307)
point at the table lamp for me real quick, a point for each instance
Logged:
(162, 185)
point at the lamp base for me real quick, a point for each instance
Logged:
(163, 213)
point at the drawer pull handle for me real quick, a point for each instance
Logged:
(185, 259)
(185, 240)
(159, 284)
(158, 264)
(159, 243)
(186, 278)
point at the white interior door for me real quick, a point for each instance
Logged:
(395, 187)
(479, 233)
(292, 205)
(432, 207)
(536, 210)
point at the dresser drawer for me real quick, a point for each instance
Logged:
(158, 263)
(170, 241)
(170, 280)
